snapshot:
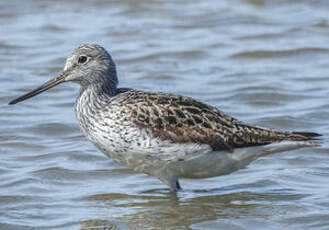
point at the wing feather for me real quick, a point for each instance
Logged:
(181, 119)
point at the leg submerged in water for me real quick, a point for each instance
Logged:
(170, 180)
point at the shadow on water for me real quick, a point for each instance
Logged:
(102, 224)
(154, 209)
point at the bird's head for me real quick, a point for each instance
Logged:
(88, 64)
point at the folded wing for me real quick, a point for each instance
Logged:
(181, 119)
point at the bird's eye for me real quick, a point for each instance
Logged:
(82, 59)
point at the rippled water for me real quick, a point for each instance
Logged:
(264, 62)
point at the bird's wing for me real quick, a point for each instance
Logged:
(181, 119)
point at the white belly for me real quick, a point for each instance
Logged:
(137, 149)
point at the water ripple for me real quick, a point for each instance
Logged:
(265, 62)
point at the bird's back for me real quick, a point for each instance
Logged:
(182, 119)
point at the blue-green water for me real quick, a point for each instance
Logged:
(264, 62)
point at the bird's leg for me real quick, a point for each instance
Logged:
(171, 181)
(178, 185)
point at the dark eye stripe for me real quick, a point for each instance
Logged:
(82, 59)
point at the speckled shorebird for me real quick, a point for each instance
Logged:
(164, 135)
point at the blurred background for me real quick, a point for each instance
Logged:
(264, 62)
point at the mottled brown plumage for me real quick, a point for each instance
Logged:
(182, 119)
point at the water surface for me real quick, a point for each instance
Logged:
(264, 62)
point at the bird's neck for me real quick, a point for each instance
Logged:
(96, 94)
(101, 89)
(100, 83)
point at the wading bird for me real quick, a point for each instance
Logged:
(164, 135)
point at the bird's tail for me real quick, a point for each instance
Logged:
(257, 135)
(308, 135)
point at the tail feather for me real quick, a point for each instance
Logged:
(256, 135)
(308, 135)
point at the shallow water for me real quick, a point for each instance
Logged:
(264, 62)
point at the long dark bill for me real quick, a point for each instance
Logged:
(42, 88)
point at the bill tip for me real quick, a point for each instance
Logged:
(13, 102)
